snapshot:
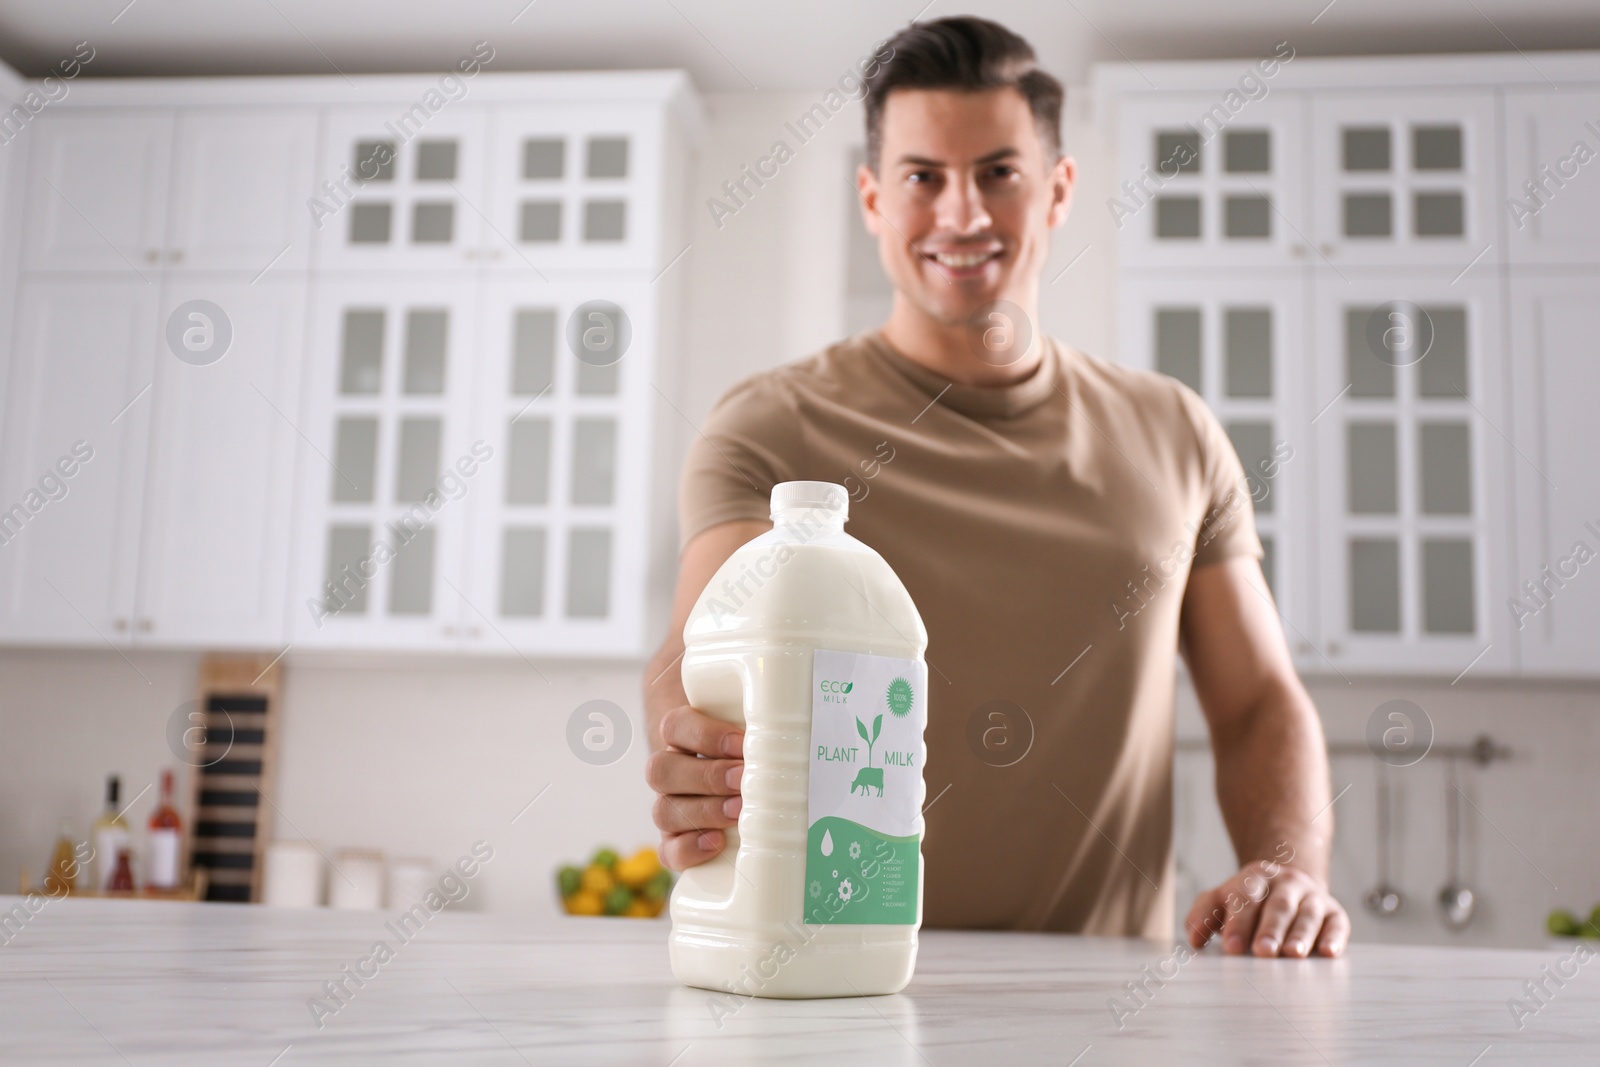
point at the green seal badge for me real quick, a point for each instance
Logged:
(899, 697)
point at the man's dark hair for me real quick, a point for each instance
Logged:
(963, 53)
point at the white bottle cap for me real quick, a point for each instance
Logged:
(824, 496)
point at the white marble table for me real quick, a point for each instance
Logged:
(137, 982)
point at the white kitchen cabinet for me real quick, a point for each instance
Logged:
(1404, 178)
(383, 483)
(97, 190)
(1413, 522)
(214, 555)
(240, 181)
(73, 468)
(404, 187)
(558, 540)
(1552, 597)
(1201, 186)
(1551, 207)
(1240, 342)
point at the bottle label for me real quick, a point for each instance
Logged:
(864, 805)
(163, 872)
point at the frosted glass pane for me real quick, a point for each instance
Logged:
(433, 222)
(426, 332)
(1253, 442)
(1178, 344)
(594, 460)
(370, 223)
(347, 547)
(528, 462)
(1247, 216)
(533, 355)
(411, 574)
(543, 157)
(1368, 215)
(605, 220)
(361, 355)
(608, 157)
(1247, 151)
(1438, 215)
(1447, 593)
(355, 459)
(598, 381)
(375, 161)
(1177, 216)
(436, 161)
(522, 571)
(541, 220)
(1436, 147)
(1371, 468)
(1369, 375)
(419, 458)
(1446, 450)
(1177, 152)
(1366, 148)
(1443, 371)
(1375, 585)
(1247, 343)
(589, 572)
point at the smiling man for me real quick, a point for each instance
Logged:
(1066, 527)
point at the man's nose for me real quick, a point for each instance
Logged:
(961, 207)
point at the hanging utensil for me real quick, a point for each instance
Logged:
(1383, 899)
(1456, 901)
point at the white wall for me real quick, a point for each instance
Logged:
(424, 756)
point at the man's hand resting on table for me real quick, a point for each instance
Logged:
(1270, 909)
(697, 776)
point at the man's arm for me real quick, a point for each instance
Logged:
(1272, 772)
(695, 760)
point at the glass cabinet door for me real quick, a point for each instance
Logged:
(1412, 479)
(559, 530)
(388, 465)
(1405, 178)
(1200, 184)
(1240, 343)
(401, 188)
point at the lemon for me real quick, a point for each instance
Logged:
(584, 902)
(598, 880)
(639, 909)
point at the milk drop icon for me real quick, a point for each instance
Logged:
(797, 629)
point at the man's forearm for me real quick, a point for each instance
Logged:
(1272, 782)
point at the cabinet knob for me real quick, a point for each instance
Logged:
(469, 253)
(1334, 648)
(1303, 648)
(448, 631)
(175, 255)
(120, 625)
(496, 254)
(474, 631)
(1327, 249)
(145, 626)
(152, 255)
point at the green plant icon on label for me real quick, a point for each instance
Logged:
(869, 775)
(899, 697)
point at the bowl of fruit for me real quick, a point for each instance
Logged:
(635, 887)
(1563, 923)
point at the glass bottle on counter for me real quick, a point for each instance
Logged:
(122, 877)
(163, 854)
(109, 837)
(61, 878)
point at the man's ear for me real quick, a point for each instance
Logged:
(1063, 177)
(867, 195)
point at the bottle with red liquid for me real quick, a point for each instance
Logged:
(164, 852)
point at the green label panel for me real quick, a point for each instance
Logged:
(855, 875)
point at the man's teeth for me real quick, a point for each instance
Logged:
(970, 259)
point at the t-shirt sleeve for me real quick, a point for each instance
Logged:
(746, 445)
(1229, 525)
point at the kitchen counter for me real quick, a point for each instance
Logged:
(145, 982)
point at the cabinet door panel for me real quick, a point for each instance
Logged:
(217, 518)
(97, 191)
(1552, 197)
(239, 190)
(1553, 602)
(74, 461)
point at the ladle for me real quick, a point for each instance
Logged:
(1383, 899)
(1455, 900)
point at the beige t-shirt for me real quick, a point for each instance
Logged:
(1045, 531)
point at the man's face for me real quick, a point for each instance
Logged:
(964, 199)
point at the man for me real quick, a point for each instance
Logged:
(1064, 525)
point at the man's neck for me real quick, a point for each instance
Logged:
(951, 350)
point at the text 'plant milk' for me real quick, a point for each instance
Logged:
(807, 638)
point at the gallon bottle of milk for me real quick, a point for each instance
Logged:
(807, 638)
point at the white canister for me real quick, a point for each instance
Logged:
(356, 881)
(293, 875)
(410, 880)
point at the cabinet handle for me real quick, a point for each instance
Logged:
(496, 254)
(448, 631)
(1327, 249)
(474, 631)
(152, 255)
(1334, 648)
(175, 255)
(1303, 647)
(145, 626)
(120, 625)
(470, 253)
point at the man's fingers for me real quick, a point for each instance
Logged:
(677, 814)
(678, 773)
(1205, 918)
(682, 851)
(1303, 932)
(1335, 932)
(1241, 925)
(1277, 912)
(694, 731)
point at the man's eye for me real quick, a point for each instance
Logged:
(920, 177)
(1003, 170)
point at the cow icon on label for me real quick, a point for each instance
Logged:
(869, 775)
